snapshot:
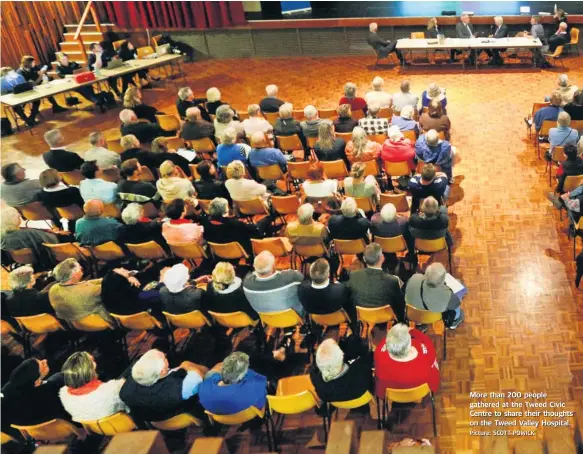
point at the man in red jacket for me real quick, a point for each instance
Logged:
(405, 359)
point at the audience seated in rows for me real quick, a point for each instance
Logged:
(178, 295)
(404, 98)
(431, 149)
(229, 150)
(404, 120)
(387, 224)
(306, 230)
(255, 122)
(179, 230)
(329, 147)
(371, 124)
(241, 188)
(434, 93)
(428, 184)
(187, 100)
(195, 128)
(263, 154)
(360, 149)
(160, 149)
(144, 132)
(133, 100)
(356, 103)
(94, 188)
(171, 184)
(351, 224)
(94, 228)
(356, 185)
(271, 104)
(58, 157)
(398, 149)
(225, 119)
(572, 166)
(345, 123)
(431, 222)
(99, 153)
(17, 190)
(377, 95)
(131, 188)
(434, 118)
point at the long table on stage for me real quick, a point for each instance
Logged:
(466, 45)
(59, 86)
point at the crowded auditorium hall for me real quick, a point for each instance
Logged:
(253, 227)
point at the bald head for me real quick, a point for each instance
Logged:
(258, 140)
(373, 27)
(193, 113)
(93, 208)
(563, 26)
(264, 264)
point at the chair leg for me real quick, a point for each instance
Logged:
(379, 425)
(270, 438)
(433, 411)
(444, 342)
(324, 423)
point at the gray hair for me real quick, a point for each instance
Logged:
(372, 254)
(373, 26)
(218, 207)
(432, 137)
(430, 206)
(563, 25)
(310, 112)
(349, 207)
(224, 114)
(64, 271)
(253, 110)
(388, 212)
(395, 133)
(132, 213)
(10, 220)
(264, 263)
(53, 138)
(285, 110)
(398, 340)
(374, 108)
(305, 213)
(213, 94)
(20, 278)
(148, 369)
(405, 86)
(184, 93)
(563, 80)
(564, 119)
(235, 367)
(95, 137)
(271, 90)
(193, 113)
(127, 116)
(377, 83)
(407, 112)
(229, 136)
(350, 90)
(329, 359)
(435, 274)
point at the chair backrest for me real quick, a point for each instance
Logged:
(109, 426)
(558, 52)
(346, 136)
(178, 422)
(141, 321)
(311, 141)
(251, 207)
(422, 316)
(328, 114)
(365, 204)
(271, 172)
(310, 250)
(71, 212)
(287, 204)
(63, 251)
(117, 44)
(92, 323)
(271, 117)
(114, 145)
(538, 106)
(190, 320)
(190, 251)
(578, 125)
(375, 315)
(228, 251)
(391, 245)
(147, 175)
(6, 328)
(237, 418)
(371, 168)
(145, 51)
(559, 154)
(378, 138)
(335, 169)
(292, 404)
(24, 256)
(299, 170)
(397, 169)
(417, 35)
(408, 395)
(385, 112)
(155, 40)
(53, 430)
(276, 245)
(111, 210)
(72, 178)
(349, 247)
(289, 143)
(147, 251)
(232, 319)
(175, 143)
(354, 403)
(39, 324)
(430, 246)
(571, 182)
(298, 114)
(35, 211)
(546, 127)
(243, 115)
(411, 135)
(281, 319)
(194, 171)
(333, 319)
(168, 122)
(357, 114)
(205, 145)
(107, 252)
(574, 36)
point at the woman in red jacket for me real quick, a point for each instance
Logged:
(406, 359)
(398, 149)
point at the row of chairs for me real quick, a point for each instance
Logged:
(542, 136)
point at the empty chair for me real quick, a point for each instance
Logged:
(335, 169)
(147, 251)
(407, 396)
(228, 251)
(168, 122)
(398, 200)
(193, 252)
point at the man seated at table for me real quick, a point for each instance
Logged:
(145, 132)
(559, 38)
(10, 79)
(382, 47)
(58, 157)
(537, 31)
(36, 75)
(501, 31)
(464, 30)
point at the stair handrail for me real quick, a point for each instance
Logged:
(77, 37)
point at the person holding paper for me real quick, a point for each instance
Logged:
(436, 291)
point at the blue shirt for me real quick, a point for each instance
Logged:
(99, 189)
(439, 154)
(403, 124)
(190, 385)
(229, 399)
(561, 136)
(425, 101)
(266, 157)
(229, 153)
(546, 113)
(9, 81)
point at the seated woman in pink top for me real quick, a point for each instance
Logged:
(398, 149)
(178, 230)
(360, 149)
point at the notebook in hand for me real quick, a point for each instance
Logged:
(456, 286)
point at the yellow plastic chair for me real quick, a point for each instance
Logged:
(271, 172)
(205, 145)
(72, 178)
(233, 320)
(107, 252)
(37, 325)
(148, 251)
(397, 169)
(271, 117)
(431, 247)
(375, 315)
(145, 51)
(535, 108)
(5, 438)
(241, 417)
(328, 114)
(175, 143)
(204, 204)
(410, 395)
(285, 205)
(278, 246)
(109, 426)
(6, 328)
(365, 204)
(544, 134)
(335, 169)
(574, 40)
(168, 122)
(378, 138)
(422, 317)
(24, 256)
(178, 422)
(35, 211)
(228, 251)
(63, 251)
(305, 251)
(333, 319)
(417, 35)
(290, 143)
(71, 212)
(250, 208)
(311, 142)
(53, 430)
(117, 44)
(141, 321)
(345, 136)
(399, 200)
(361, 401)
(349, 247)
(572, 182)
(193, 252)
(281, 319)
(391, 245)
(91, 324)
(111, 210)
(192, 321)
(298, 170)
(556, 55)
(371, 168)
(194, 171)
(114, 145)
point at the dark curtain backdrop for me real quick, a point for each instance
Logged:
(174, 14)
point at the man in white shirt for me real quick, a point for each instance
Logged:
(98, 152)
(379, 96)
(404, 98)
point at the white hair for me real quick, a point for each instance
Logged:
(224, 114)
(395, 133)
(350, 90)
(407, 112)
(398, 340)
(377, 83)
(564, 119)
(132, 213)
(374, 108)
(432, 137)
(563, 80)
(310, 112)
(388, 212)
(54, 137)
(148, 369)
(192, 112)
(127, 116)
(229, 136)
(264, 263)
(373, 26)
(329, 359)
(285, 110)
(305, 213)
(213, 94)
(563, 26)
(253, 110)
(271, 90)
(349, 207)
(435, 274)
(184, 93)
(20, 277)
(10, 220)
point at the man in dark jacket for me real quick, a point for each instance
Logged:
(500, 31)
(57, 157)
(187, 100)
(271, 103)
(431, 223)
(145, 132)
(35, 74)
(195, 127)
(350, 225)
(381, 46)
(464, 30)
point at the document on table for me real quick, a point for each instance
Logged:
(456, 286)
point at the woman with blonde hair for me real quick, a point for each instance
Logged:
(344, 123)
(357, 185)
(132, 99)
(328, 147)
(360, 149)
(432, 29)
(225, 294)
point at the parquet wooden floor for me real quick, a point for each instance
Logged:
(524, 322)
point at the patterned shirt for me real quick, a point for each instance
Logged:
(374, 125)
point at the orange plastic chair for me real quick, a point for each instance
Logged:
(53, 430)
(335, 169)
(289, 143)
(72, 178)
(385, 112)
(91, 324)
(271, 172)
(71, 212)
(145, 51)
(433, 246)
(233, 320)
(411, 135)
(228, 251)
(328, 114)
(346, 136)
(284, 205)
(24, 256)
(63, 251)
(117, 44)
(204, 146)
(365, 204)
(271, 117)
(391, 245)
(35, 211)
(574, 40)
(311, 142)
(111, 425)
(397, 169)
(249, 208)
(357, 114)
(114, 145)
(371, 168)
(378, 138)
(168, 122)
(107, 252)
(298, 170)
(147, 251)
(112, 210)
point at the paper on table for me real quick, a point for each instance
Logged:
(456, 286)
(187, 154)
